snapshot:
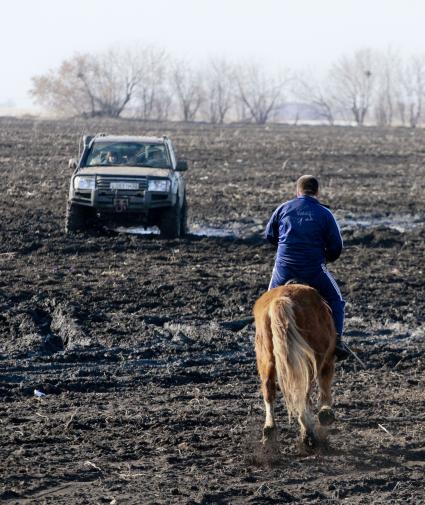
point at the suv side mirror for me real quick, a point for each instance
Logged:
(72, 164)
(181, 165)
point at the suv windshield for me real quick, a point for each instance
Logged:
(128, 153)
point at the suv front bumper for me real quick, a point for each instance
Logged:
(120, 200)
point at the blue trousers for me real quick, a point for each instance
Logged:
(321, 280)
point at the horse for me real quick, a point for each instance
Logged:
(295, 341)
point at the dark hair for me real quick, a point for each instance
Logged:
(308, 185)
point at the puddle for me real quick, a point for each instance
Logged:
(358, 332)
(197, 230)
(211, 231)
(398, 222)
(138, 230)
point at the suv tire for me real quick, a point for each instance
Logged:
(170, 222)
(183, 218)
(78, 218)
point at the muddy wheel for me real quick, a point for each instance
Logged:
(183, 220)
(171, 221)
(78, 218)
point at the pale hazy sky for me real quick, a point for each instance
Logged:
(36, 35)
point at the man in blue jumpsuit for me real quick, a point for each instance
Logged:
(307, 237)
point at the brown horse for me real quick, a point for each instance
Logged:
(295, 343)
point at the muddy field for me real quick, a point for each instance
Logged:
(150, 381)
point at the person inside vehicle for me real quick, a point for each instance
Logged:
(307, 237)
(111, 158)
(156, 158)
(139, 157)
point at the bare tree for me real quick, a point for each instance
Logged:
(242, 112)
(163, 103)
(188, 87)
(111, 80)
(388, 68)
(90, 85)
(219, 89)
(259, 92)
(62, 90)
(311, 90)
(352, 80)
(412, 91)
(153, 94)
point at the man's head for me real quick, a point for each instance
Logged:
(307, 185)
(112, 157)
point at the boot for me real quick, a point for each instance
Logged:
(341, 351)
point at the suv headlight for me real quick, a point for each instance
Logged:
(159, 185)
(84, 182)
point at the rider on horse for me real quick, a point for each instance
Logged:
(307, 236)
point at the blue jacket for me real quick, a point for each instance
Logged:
(305, 233)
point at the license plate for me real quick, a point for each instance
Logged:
(124, 185)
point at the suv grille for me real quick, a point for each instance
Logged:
(103, 183)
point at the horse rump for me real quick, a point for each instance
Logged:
(295, 342)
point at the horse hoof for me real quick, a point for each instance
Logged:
(308, 443)
(269, 434)
(326, 416)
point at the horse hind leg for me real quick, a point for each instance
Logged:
(326, 415)
(308, 436)
(268, 378)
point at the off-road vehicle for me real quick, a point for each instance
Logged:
(127, 180)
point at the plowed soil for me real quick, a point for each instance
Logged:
(141, 345)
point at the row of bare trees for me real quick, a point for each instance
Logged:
(365, 87)
(150, 85)
(368, 86)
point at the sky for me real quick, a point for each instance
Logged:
(37, 35)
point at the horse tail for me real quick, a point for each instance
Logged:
(295, 359)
